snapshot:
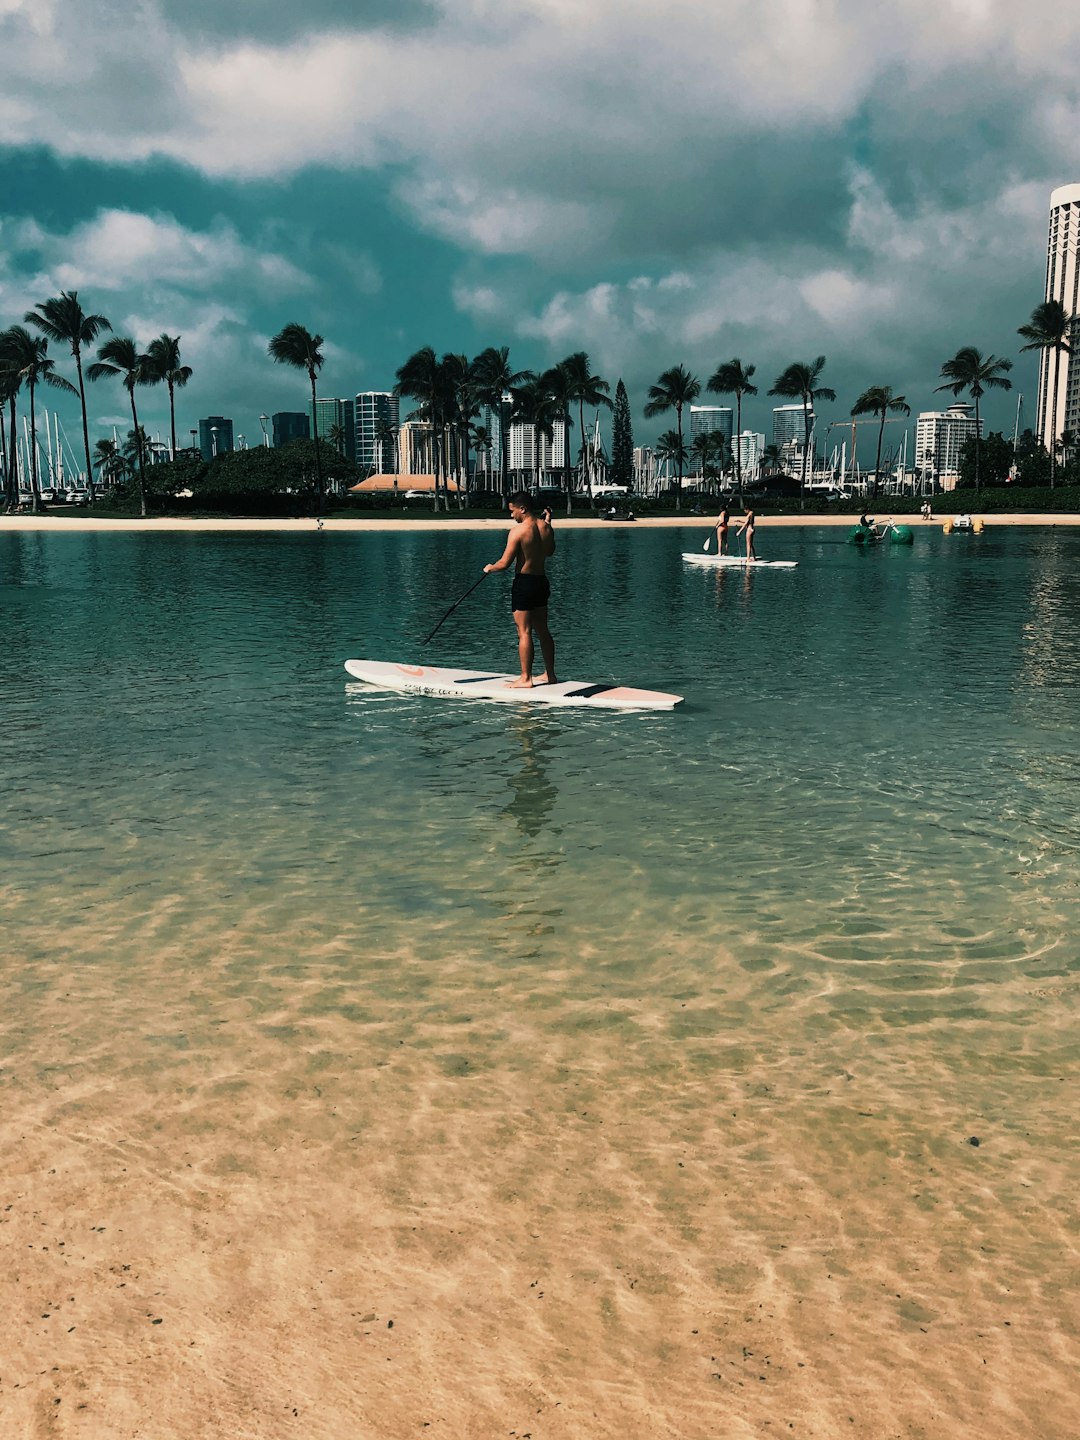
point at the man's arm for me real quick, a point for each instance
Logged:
(512, 542)
(547, 534)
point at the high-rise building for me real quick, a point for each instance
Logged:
(1056, 372)
(751, 449)
(331, 413)
(705, 419)
(789, 424)
(552, 452)
(374, 411)
(215, 436)
(290, 425)
(940, 436)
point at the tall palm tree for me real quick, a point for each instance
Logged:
(120, 356)
(735, 378)
(10, 383)
(386, 436)
(800, 382)
(562, 382)
(482, 444)
(709, 448)
(63, 320)
(1051, 328)
(459, 387)
(970, 370)
(535, 406)
(28, 356)
(295, 346)
(422, 379)
(880, 400)
(671, 446)
(674, 390)
(587, 389)
(336, 436)
(494, 377)
(163, 355)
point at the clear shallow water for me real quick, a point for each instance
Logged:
(837, 888)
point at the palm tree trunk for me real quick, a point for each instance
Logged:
(877, 462)
(172, 420)
(805, 454)
(315, 437)
(566, 460)
(35, 502)
(138, 455)
(678, 462)
(738, 443)
(85, 428)
(978, 446)
(13, 458)
(1053, 416)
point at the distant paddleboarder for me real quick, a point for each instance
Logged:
(530, 542)
(721, 531)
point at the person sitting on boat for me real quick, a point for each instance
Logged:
(869, 525)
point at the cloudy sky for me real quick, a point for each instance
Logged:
(654, 181)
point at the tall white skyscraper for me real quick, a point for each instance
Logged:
(1062, 283)
(708, 418)
(375, 409)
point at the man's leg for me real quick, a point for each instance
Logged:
(525, 648)
(547, 645)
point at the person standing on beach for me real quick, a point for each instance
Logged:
(747, 527)
(530, 542)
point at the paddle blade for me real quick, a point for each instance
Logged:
(708, 539)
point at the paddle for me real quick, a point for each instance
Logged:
(483, 577)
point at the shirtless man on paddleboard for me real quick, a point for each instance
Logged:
(530, 542)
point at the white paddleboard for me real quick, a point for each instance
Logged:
(484, 685)
(697, 557)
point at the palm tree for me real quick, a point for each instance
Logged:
(121, 356)
(563, 385)
(734, 378)
(10, 381)
(674, 390)
(109, 461)
(799, 382)
(494, 377)
(482, 444)
(459, 388)
(587, 389)
(63, 320)
(535, 406)
(336, 436)
(421, 378)
(969, 370)
(1051, 328)
(297, 347)
(386, 435)
(671, 446)
(28, 357)
(708, 448)
(880, 400)
(164, 357)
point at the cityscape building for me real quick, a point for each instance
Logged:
(939, 439)
(751, 449)
(330, 412)
(215, 436)
(1062, 284)
(789, 426)
(289, 425)
(705, 419)
(552, 452)
(374, 410)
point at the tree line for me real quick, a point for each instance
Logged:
(452, 393)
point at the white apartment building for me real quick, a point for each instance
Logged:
(789, 426)
(751, 449)
(939, 438)
(1063, 284)
(552, 452)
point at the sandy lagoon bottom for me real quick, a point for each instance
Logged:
(367, 1072)
(502, 1212)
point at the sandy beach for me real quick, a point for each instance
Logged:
(65, 523)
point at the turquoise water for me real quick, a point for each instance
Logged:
(839, 883)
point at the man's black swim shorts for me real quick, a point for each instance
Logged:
(529, 592)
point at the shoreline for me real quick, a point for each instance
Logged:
(88, 524)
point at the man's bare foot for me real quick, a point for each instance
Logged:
(545, 679)
(522, 684)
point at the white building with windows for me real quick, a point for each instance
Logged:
(751, 449)
(1061, 373)
(708, 419)
(372, 411)
(552, 455)
(940, 436)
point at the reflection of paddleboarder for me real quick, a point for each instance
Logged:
(530, 542)
(747, 527)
